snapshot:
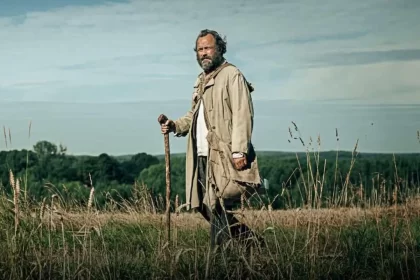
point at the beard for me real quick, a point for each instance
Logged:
(209, 63)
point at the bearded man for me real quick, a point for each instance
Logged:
(221, 164)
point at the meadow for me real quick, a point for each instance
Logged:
(47, 241)
(328, 225)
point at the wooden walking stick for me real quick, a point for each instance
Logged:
(163, 119)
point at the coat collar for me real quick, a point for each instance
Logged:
(211, 81)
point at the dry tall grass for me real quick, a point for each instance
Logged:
(318, 240)
(51, 242)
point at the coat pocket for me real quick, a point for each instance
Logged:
(225, 178)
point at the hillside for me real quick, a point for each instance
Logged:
(333, 174)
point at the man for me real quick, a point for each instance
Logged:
(221, 163)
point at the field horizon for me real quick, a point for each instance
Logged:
(292, 153)
(129, 128)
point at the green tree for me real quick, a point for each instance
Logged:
(135, 165)
(45, 148)
(107, 169)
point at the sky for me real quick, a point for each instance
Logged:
(95, 51)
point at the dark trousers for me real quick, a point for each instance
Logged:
(223, 225)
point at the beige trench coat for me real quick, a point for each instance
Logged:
(228, 105)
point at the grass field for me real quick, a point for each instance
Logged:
(48, 241)
(55, 239)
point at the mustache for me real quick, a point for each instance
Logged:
(205, 57)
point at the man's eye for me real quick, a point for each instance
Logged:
(204, 48)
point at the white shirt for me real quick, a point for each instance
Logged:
(201, 129)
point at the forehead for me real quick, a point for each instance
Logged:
(206, 40)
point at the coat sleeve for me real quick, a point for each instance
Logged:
(182, 124)
(242, 113)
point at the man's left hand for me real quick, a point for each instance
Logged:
(240, 162)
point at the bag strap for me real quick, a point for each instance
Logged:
(206, 118)
(203, 83)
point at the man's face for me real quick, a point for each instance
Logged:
(208, 56)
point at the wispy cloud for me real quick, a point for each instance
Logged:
(387, 82)
(138, 50)
(367, 57)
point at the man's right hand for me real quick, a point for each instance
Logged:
(168, 127)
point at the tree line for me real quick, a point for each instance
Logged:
(294, 179)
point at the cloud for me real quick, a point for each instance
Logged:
(139, 50)
(387, 82)
(367, 57)
(17, 8)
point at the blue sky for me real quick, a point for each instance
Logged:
(117, 51)
(97, 51)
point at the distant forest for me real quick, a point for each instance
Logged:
(336, 178)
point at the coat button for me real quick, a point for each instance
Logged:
(213, 127)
